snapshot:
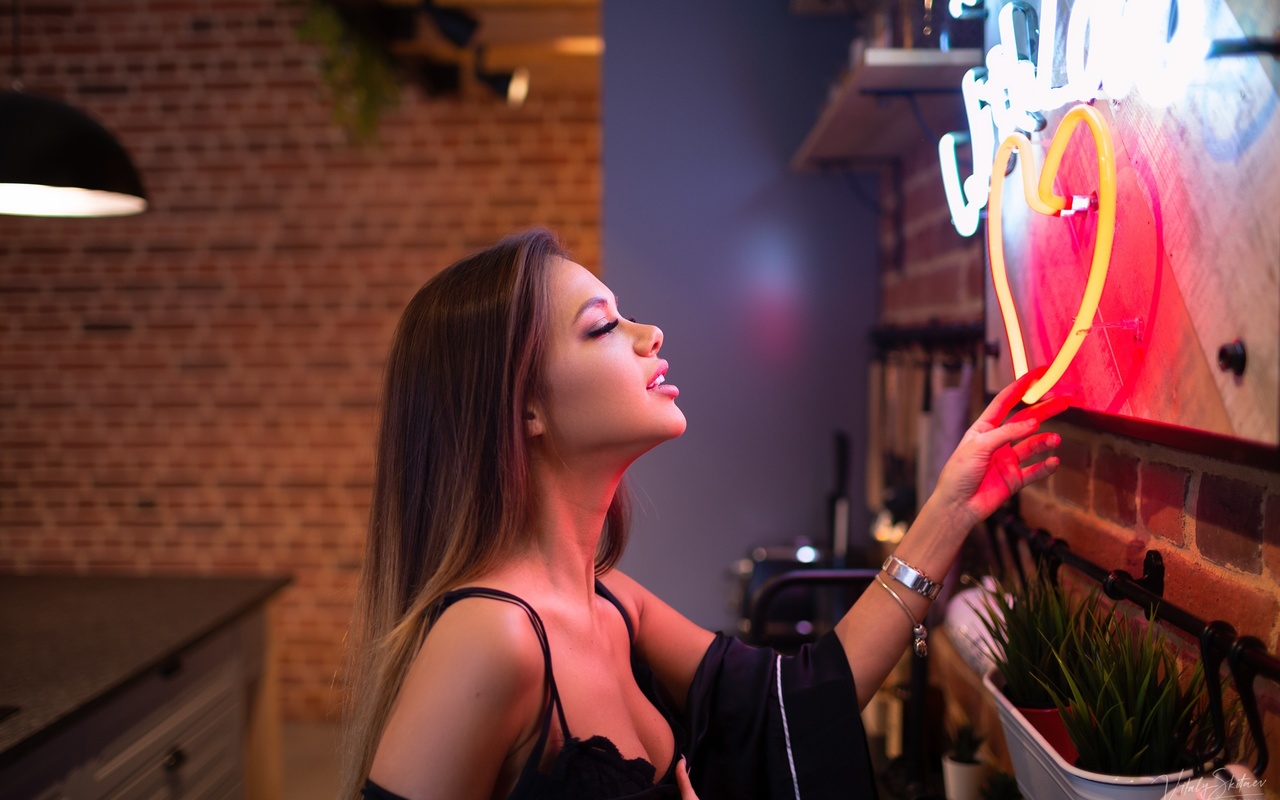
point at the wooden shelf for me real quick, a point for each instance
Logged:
(869, 115)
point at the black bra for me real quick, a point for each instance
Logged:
(584, 769)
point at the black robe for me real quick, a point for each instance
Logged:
(742, 743)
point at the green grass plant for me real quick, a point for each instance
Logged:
(1127, 706)
(1028, 629)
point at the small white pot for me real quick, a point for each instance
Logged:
(962, 781)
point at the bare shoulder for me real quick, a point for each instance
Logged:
(669, 642)
(482, 641)
(472, 695)
(647, 607)
(629, 593)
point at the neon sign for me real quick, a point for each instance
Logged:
(1043, 201)
(1109, 47)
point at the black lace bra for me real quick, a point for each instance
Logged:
(584, 769)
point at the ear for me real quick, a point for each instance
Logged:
(534, 422)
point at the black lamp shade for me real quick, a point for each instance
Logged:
(57, 161)
(511, 86)
(454, 24)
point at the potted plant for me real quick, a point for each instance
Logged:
(1034, 633)
(963, 770)
(1131, 713)
(1128, 707)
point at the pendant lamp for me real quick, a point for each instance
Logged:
(56, 161)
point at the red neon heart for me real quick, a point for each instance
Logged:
(1042, 200)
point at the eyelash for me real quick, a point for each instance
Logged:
(603, 329)
(607, 328)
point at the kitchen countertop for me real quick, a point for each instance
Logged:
(68, 642)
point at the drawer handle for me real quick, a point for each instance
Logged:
(174, 760)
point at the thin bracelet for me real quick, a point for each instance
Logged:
(918, 632)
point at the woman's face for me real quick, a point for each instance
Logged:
(606, 389)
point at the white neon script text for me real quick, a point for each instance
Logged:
(1109, 47)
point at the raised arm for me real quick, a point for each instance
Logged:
(473, 696)
(989, 466)
(991, 463)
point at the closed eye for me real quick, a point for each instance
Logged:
(595, 333)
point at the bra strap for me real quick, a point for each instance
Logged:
(450, 598)
(604, 592)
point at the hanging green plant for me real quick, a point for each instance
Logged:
(1129, 707)
(357, 72)
(1031, 631)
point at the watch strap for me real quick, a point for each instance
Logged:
(910, 577)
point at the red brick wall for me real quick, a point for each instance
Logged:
(194, 389)
(1216, 524)
(928, 272)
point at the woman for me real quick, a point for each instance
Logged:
(498, 653)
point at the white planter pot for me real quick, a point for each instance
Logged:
(963, 781)
(1043, 775)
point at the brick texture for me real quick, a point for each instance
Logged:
(939, 277)
(1115, 486)
(1103, 543)
(1229, 522)
(1073, 480)
(194, 389)
(1212, 592)
(1163, 500)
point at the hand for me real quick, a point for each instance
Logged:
(986, 468)
(682, 780)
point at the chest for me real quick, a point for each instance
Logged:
(601, 697)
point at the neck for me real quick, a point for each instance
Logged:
(571, 506)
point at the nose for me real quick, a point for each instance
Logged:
(648, 339)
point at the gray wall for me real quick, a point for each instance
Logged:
(763, 279)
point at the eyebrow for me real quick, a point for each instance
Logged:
(592, 303)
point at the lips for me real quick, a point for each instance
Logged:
(659, 377)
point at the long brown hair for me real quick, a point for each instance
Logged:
(452, 494)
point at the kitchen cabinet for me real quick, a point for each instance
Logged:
(137, 688)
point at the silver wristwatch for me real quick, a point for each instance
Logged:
(910, 577)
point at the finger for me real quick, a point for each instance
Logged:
(1036, 445)
(1042, 410)
(1010, 432)
(1009, 397)
(1040, 471)
(683, 782)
